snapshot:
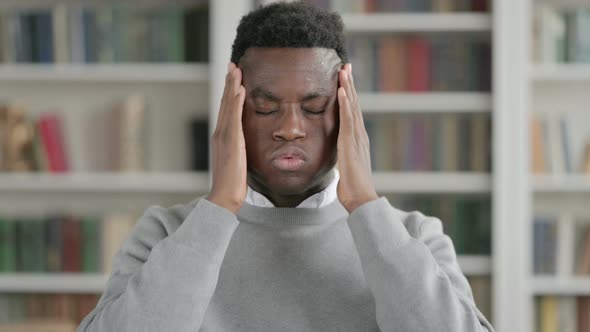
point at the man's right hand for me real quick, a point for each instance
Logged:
(229, 148)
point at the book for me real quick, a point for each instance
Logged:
(115, 230)
(199, 131)
(39, 325)
(54, 243)
(392, 64)
(7, 245)
(419, 55)
(565, 245)
(583, 261)
(53, 141)
(577, 24)
(72, 244)
(548, 314)
(90, 245)
(129, 121)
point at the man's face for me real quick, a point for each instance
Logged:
(290, 118)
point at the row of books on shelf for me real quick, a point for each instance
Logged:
(107, 140)
(561, 35)
(86, 33)
(372, 6)
(415, 63)
(447, 142)
(562, 313)
(16, 309)
(467, 220)
(59, 243)
(560, 144)
(67, 309)
(565, 254)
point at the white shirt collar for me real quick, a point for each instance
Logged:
(314, 201)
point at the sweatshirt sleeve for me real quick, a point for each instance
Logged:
(163, 279)
(416, 280)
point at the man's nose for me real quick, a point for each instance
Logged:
(290, 124)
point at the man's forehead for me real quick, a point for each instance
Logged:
(316, 60)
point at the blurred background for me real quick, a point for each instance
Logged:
(477, 112)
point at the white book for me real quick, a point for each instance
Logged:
(579, 136)
(9, 34)
(75, 135)
(116, 227)
(555, 145)
(76, 37)
(567, 315)
(552, 34)
(60, 33)
(565, 246)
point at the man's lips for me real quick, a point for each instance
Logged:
(288, 159)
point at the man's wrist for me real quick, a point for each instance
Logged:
(353, 205)
(233, 207)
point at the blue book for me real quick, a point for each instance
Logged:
(44, 37)
(90, 36)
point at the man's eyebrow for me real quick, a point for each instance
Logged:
(261, 93)
(317, 93)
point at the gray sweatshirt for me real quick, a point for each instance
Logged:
(198, 267)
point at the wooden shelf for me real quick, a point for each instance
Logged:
(95, 282)
(426, 102)
(106, 182)
(120, 72)
(561, 72)
(414, 22)
(548, 285)
(561, 184)
(432, 182)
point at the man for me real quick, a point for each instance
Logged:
(284, 242)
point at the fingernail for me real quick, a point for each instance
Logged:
(350, 68)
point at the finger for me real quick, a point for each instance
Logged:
(236, 104)
(354, 109)
(225, 97)
(346, 120)
(354, 97)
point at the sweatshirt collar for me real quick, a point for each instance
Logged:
(317, 200)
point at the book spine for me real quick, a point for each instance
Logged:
(419, 55)
(7, 245)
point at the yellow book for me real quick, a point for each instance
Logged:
(548, 315)
(39, 326)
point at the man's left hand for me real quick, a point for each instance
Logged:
(355, 187)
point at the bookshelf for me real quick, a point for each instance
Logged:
(417, 22)
(75, 73)
(555, 92)
(469, 102)
(195, 90)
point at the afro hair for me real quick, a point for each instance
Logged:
(290, 24)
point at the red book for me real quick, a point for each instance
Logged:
(50, 129)
(480, 5)
(371, 6)
(72, 244)
(583, 313)
(419, 51)
(392, 64)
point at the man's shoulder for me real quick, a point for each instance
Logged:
(167, 219)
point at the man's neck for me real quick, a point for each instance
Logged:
(291, 201)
